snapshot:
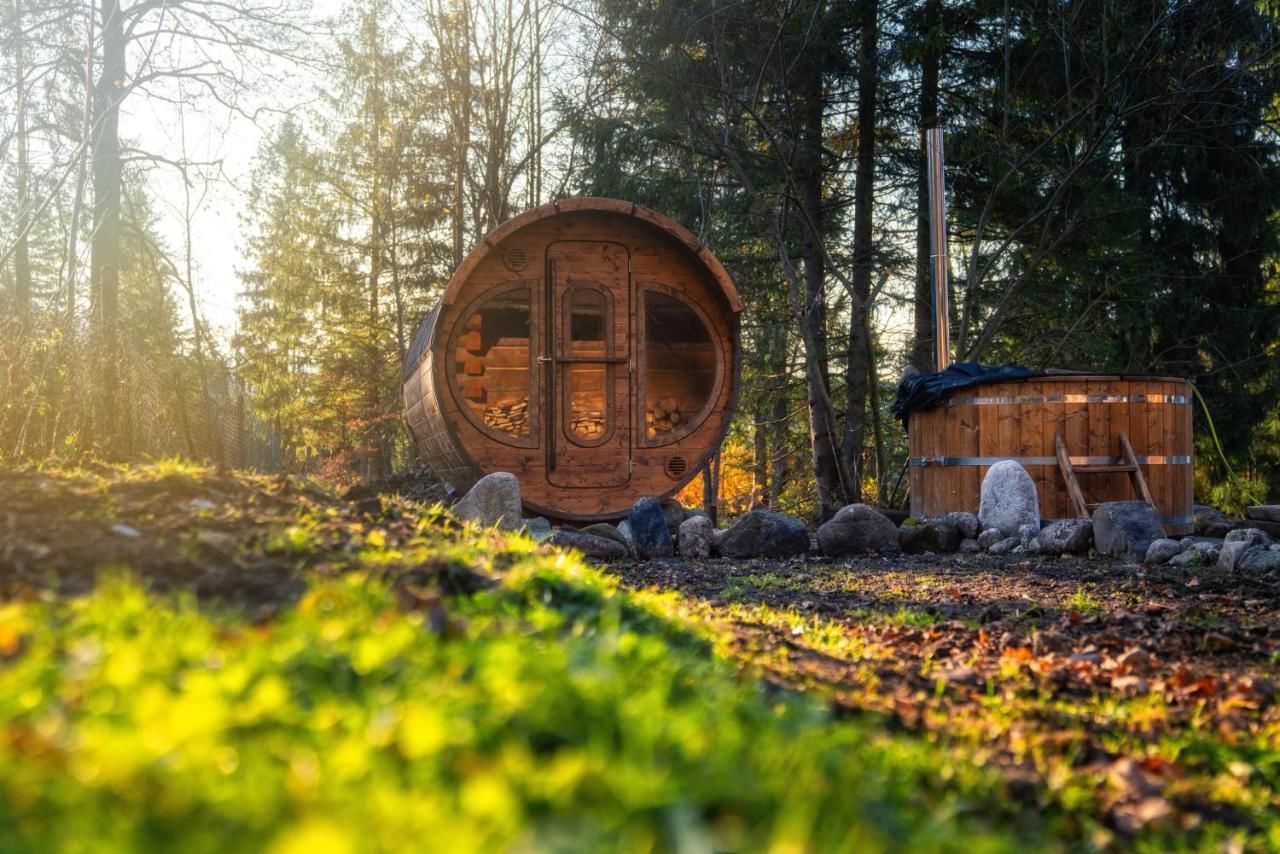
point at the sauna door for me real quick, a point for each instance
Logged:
(586, 364)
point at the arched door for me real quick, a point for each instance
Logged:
(586, 363)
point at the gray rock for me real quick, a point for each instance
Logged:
(690, 512)
(990, 537)
(1027, 533)
(494, 500)
(1066, 536)
(1252, 536)
(1008, 499)
(538, 529)
(928, 536)
(856, 529)
(1192, 558)
(966, 523)
(624, 528)
(589, 544)
(1265, 512)
(673, 512)
(604, 529)
(649, 529)
(1207, 549)
(1259, 560)
(969, 546)
(764, 533)
(1163, 550)
(1125, 529)
(1201, 542)
(694, 540)
(1005, 546)
(1210, 521)
(1231, 553)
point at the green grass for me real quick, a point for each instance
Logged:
(1085, 602)
(456, 689)
(552, 711)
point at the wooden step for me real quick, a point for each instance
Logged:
(1128, 465)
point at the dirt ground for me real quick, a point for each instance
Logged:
(1063, 672)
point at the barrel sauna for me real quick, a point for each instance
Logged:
(590, 347)
(953, 445)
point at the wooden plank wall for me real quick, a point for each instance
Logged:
(1026, 428)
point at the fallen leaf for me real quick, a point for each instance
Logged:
(1020, 654)
(1130, 684)
(1137, 660)
(1128, 775)
(1132, 817)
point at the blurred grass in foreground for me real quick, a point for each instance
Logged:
(550, 711)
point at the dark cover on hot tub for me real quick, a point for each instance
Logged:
(925, 391)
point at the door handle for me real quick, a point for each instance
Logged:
(544, 359)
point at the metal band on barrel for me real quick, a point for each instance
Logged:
(1178, 520)
(1153, 460)
(1015, 400)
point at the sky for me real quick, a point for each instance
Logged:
(228, 141)
(218, 205)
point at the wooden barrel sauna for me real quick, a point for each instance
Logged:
(590, 347)
(953, 445)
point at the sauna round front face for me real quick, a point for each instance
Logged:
(953, 445)
(589, 347)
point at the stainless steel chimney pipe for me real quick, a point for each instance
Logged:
(938, 244)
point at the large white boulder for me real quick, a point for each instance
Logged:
(1009, 499)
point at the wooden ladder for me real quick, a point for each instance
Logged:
(1128, 465)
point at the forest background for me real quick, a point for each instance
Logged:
(1113, 173)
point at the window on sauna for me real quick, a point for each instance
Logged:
(588, 382)
(679, 366)
(492, 363)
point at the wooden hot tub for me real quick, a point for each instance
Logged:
(953, 445)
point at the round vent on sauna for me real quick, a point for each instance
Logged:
(676, 467)
(515, 259)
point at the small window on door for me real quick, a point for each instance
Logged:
(679, 368)
(491, 366)
(588, 390)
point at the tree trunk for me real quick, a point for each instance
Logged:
(21, 256)
(813, 313)
(877, 429)
(760, 455)
(461, 131)
(86, 137)
(922, 354)
(375, 462)
(711, 487)
(104, 276)
(779, 461)
(859, 364)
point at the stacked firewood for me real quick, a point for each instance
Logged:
(511, 417)
(663, 417)
(588, 423)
